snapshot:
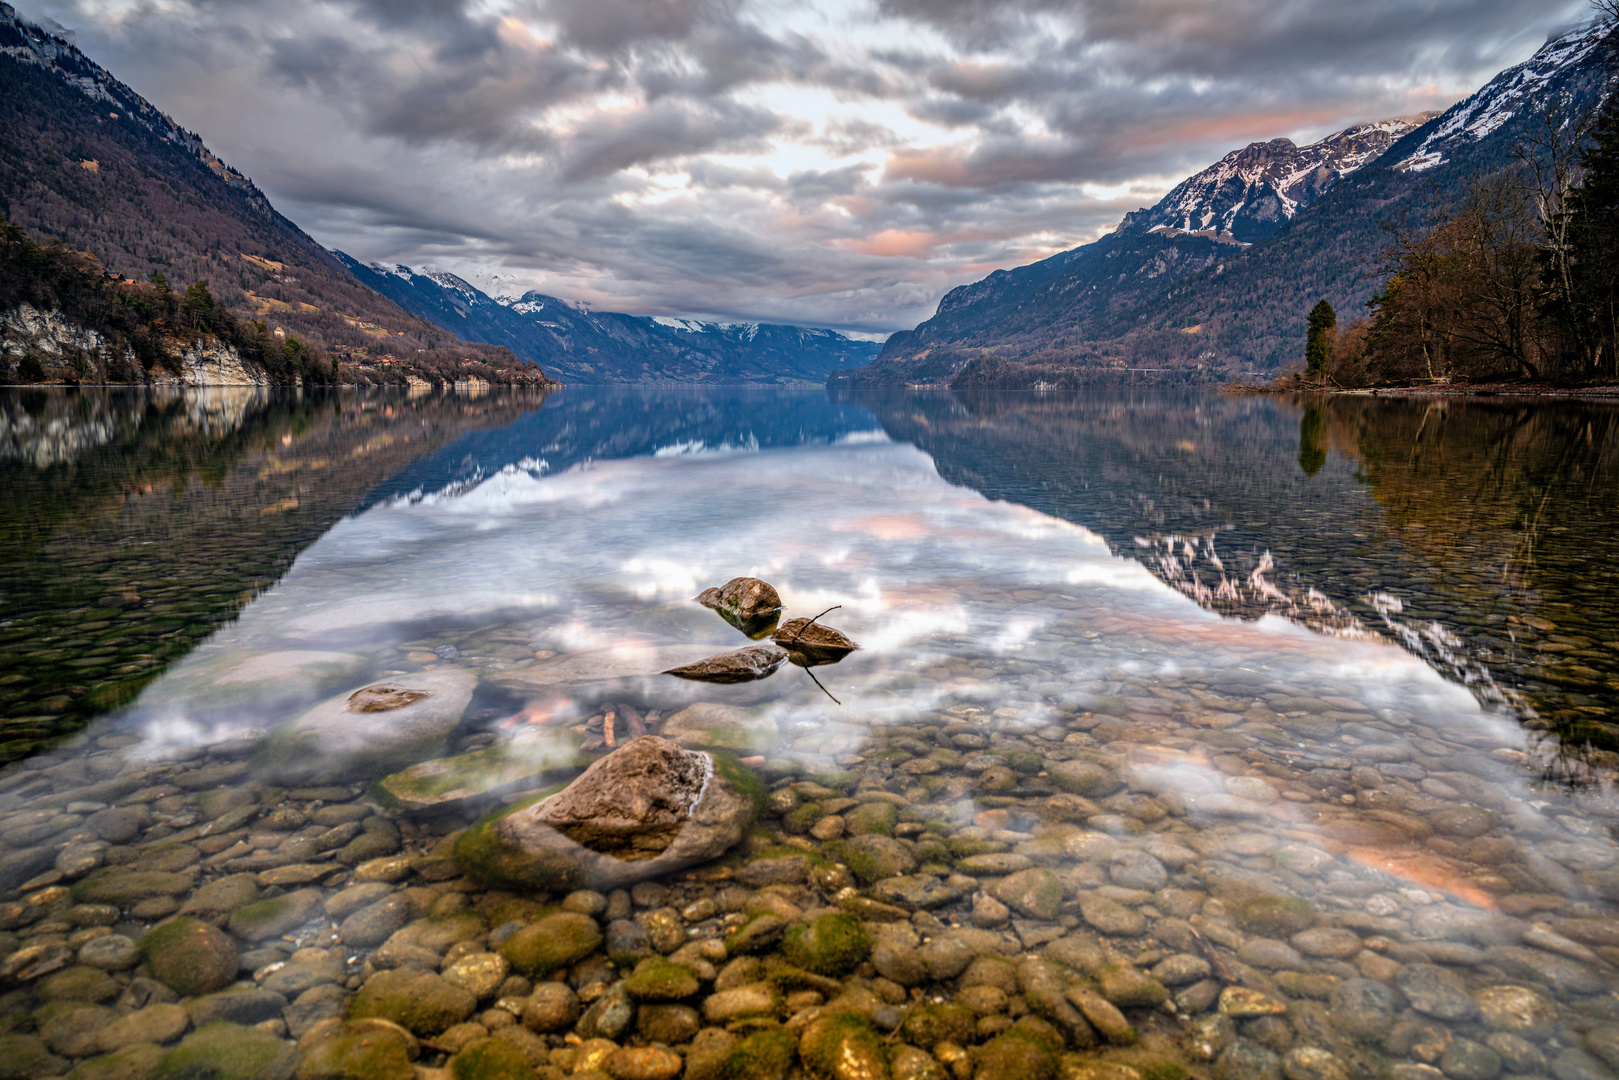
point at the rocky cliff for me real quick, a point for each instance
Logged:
(47, 347)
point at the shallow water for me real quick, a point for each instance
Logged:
(1277, 676)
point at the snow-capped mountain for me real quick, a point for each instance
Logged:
(1538, 84)
(578, 345)
(1220, 274)
(1249, 193)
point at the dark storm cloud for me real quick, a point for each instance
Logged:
(840, 164)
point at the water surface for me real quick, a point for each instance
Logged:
(1325, 684)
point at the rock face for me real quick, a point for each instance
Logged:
(750, 605)
(648, 809)
(370, 730)
(737, 666)
(630, 804)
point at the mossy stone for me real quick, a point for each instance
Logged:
(491, 1059)
(872, 858)
(748, 783)
(799, 819)
(274, 916)
(419, 1001)
(26, 1057)
(940, 1021)
(554, 942)
(872, 819)
(78, 983)
(1275, 916)
(361, 1050)
(659, 980)
(190, 957)
(830, 945)
(765, 1055)
(1015, 1055)
(136, 1062)
(225, 1051)
(1034, 892)
(123, 887)
(844, 1046)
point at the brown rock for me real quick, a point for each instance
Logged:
(737, 666)
(630, 804)
(750, 605)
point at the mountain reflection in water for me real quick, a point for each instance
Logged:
(1478, 533)
(135, 522)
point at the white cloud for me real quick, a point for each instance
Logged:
(838, 162)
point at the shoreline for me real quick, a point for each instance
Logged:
(1522, 390)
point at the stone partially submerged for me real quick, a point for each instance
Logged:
(750, 605)
(649, 809)
(738, 666)
(811, 644)
(534, 757)
(369, 730)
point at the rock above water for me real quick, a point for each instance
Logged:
(812, 644)
(737, 666)
(371, 730)
(750, 605)
(649, 809)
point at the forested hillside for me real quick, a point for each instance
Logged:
(86, 161)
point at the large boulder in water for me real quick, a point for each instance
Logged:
(371, 730)
(648, 809)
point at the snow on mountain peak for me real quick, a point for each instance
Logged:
(1504, 97)
(1249, 193)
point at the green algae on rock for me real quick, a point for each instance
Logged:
(189, 956)
(553, 942)
(421, 1002)
(535, 756)
(827, 944)
(229, 1052)
(844, 1046)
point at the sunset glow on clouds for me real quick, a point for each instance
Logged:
(835, 162)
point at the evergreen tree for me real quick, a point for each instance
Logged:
(1318, 346)
(1590, 313)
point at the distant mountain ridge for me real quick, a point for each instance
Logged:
(582, 346)
(88, 162)
(1175, 290)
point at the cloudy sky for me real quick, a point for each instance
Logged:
(832, 162)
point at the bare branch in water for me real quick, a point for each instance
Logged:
(817, 682)
(811, 623)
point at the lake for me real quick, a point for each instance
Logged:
(1187, 734)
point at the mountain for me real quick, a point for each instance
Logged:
(87, 162)
(1177, 288)
(1250, 193)
(578, 345)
